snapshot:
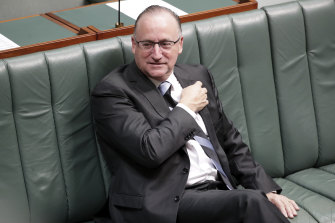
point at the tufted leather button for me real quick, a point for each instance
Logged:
(176, 198)
(185, 170)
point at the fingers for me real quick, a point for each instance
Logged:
(287, 206)
(288, 209)
(194, 96)
(291, 208)
(202, 93)
(296, 207)
(198, 83)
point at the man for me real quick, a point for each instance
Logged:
(176, 163)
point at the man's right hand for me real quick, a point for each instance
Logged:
(194, 97)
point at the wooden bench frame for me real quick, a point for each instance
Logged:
(91, 33)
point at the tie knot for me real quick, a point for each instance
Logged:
(164, 87)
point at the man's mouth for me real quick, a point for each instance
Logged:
(156, 64)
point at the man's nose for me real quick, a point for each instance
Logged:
(156, 51)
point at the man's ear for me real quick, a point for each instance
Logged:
(133, 44)
(181, 42)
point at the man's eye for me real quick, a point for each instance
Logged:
(146, 44)
(166, 44)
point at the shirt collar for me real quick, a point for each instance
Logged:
(172, 79)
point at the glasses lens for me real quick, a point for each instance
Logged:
(166, 45)
(146, 45)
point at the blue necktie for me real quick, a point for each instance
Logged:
(201, 138)
(165, 89)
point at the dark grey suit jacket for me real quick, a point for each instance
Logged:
(144, 144)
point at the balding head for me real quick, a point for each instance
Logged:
(156, 10)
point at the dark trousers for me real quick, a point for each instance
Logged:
(209, 203)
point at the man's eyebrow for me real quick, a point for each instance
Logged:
(163, 40)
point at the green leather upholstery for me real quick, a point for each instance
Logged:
(12, 186)
(321, 53)
(293, 86)
(316, 180)
(218, 53)
(254, 56)
(274, 69)
(329, 168)
(52, 151)
(191, 52)
(304, 63)
(313, 206)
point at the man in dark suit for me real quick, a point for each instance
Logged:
(172, 153)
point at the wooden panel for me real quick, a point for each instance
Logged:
(48, 45)
(245, 6)
(91, 33)
(61, 22)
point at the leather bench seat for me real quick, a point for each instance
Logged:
(273, 67)
(313, 206)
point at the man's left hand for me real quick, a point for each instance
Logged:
(287, 206)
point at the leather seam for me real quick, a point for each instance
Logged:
(93, 125)
(18, 140)
(57, 138)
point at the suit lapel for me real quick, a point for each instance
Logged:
(206, 117)
(204, 113)
(148, 90)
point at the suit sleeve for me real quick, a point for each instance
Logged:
(122, 126)
(243, 167)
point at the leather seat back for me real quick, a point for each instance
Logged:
(51, 168)
(303, 51)
(274, 69)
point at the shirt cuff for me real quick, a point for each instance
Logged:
(187, 109)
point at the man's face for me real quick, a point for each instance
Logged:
(157, 63)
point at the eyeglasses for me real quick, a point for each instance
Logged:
(149, 45)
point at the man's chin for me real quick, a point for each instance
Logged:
(158, 74)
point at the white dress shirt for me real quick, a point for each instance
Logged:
(201, 168)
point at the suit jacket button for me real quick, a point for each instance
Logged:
(176, 198)
(185, 170)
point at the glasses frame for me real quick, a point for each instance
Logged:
(154, 43)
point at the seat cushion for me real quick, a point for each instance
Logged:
(329, 168)
(313, 206)
(316, 180)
